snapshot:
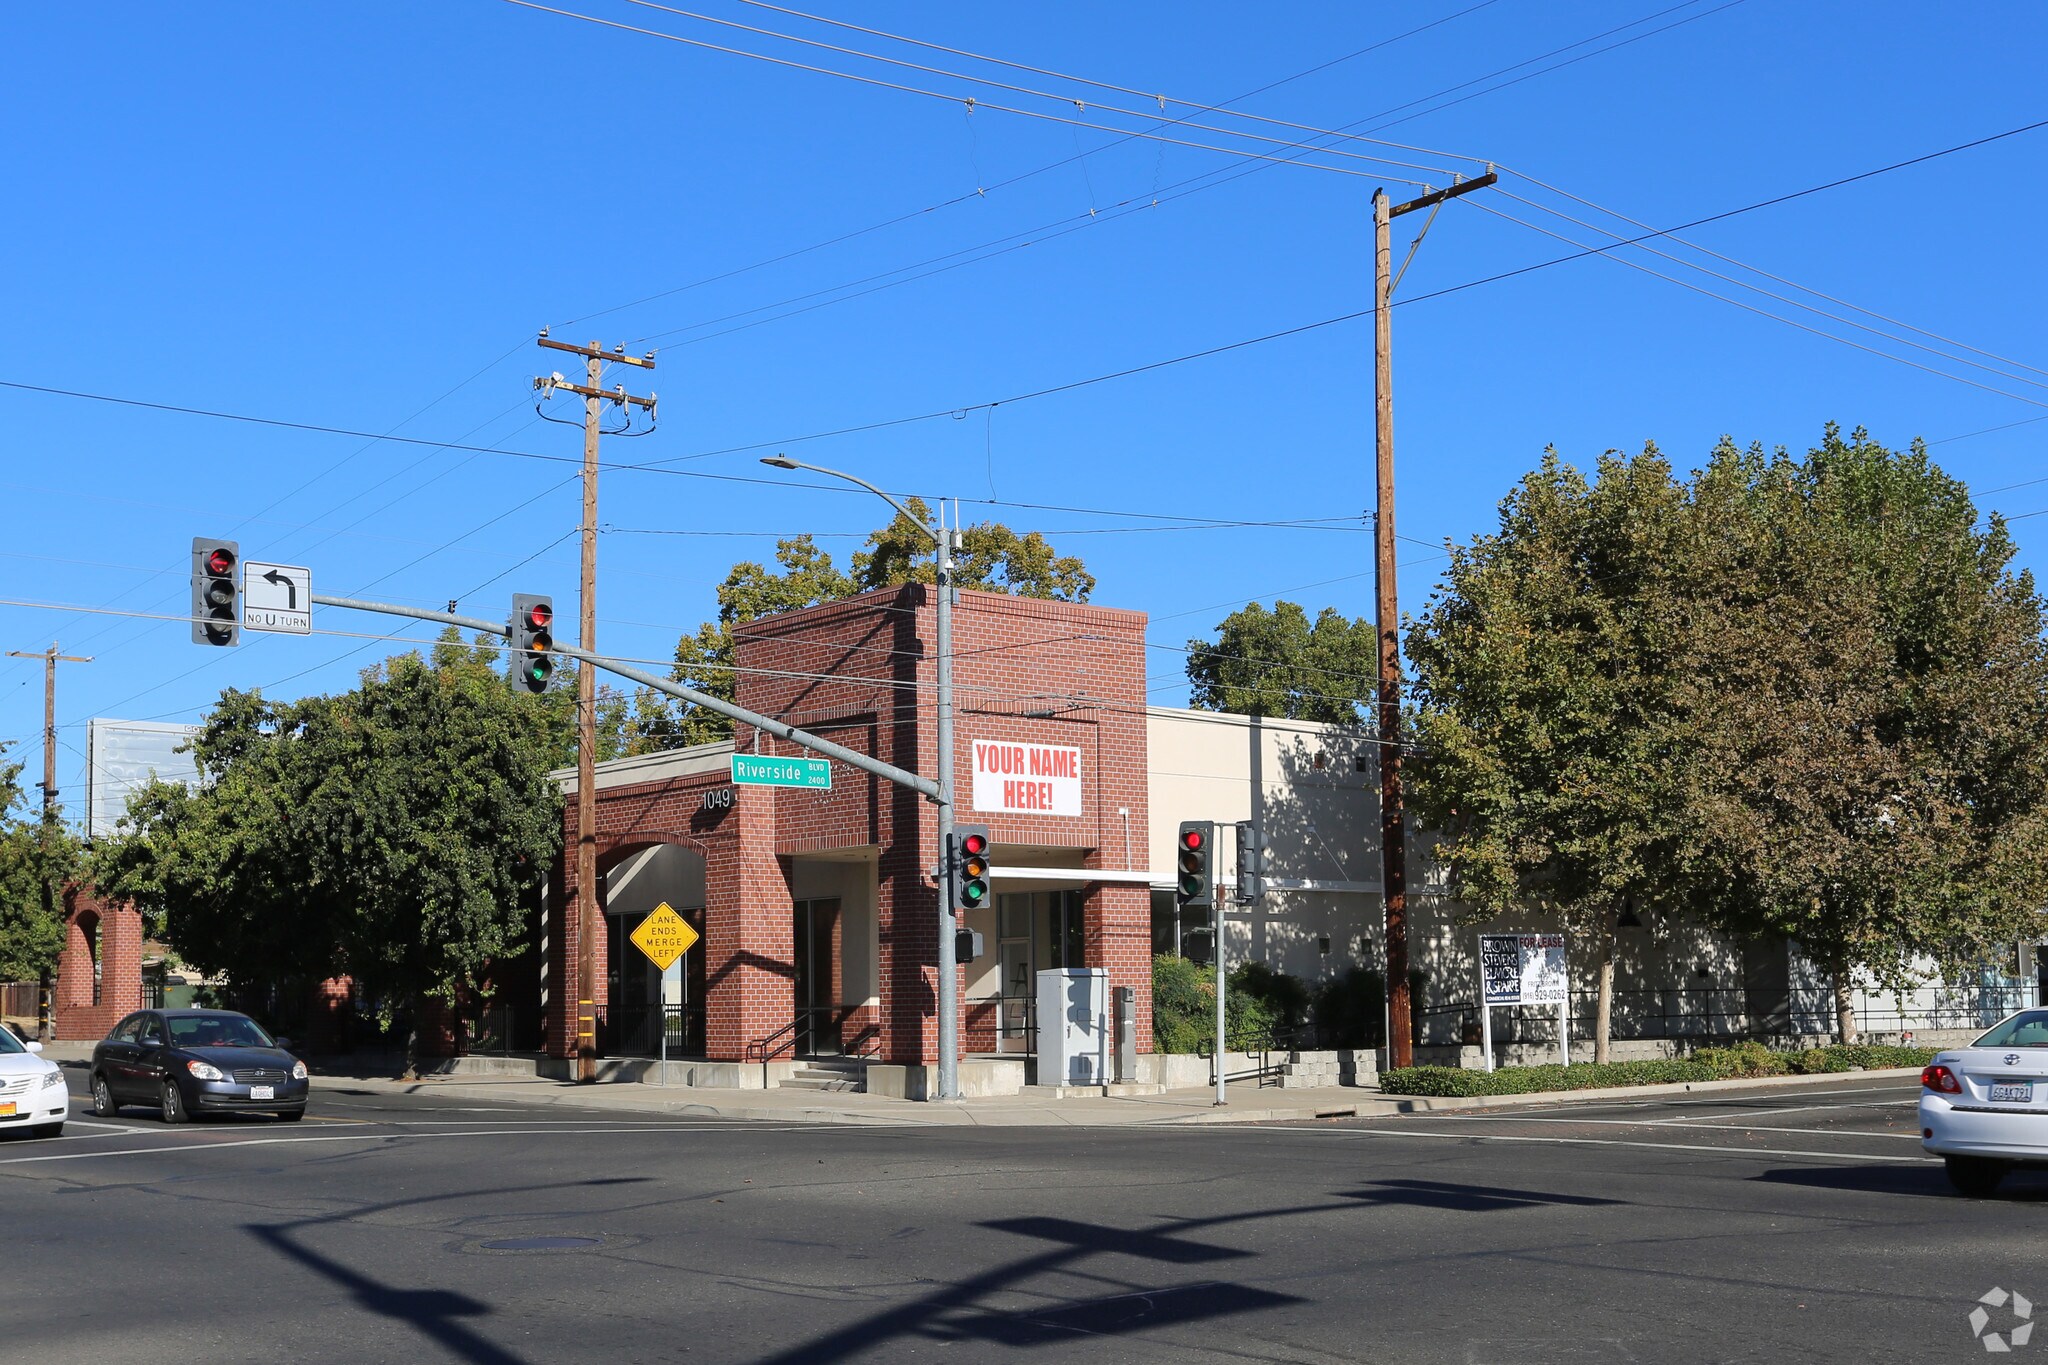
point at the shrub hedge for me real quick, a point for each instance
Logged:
(1707, 1064)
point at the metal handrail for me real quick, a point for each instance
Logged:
(784, 1039)
(1269, 1041)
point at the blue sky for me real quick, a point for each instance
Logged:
(358, 216)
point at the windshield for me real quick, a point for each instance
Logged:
(9, 1043)
(2027, 1029)
(216, 1030)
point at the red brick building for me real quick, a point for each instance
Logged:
(818, 910)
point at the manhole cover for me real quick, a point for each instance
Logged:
(540, 1243)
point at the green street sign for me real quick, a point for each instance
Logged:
(752, 770)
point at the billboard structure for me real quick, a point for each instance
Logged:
(122, 756)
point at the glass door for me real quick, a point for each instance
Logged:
(818, 1009)
(1017, 979)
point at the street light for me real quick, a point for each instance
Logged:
(949, 1004)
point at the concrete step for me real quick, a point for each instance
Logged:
(829, 1073)
(802, 1082)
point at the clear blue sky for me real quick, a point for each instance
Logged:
(358, 215)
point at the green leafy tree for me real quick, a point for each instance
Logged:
(1279, 663)
(1794, 697)
(37, 857)
(391, 834)
(1872, 781)
(992, 558)
(1546, 667)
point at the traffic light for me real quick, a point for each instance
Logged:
(1251, 863)
(530, 637)
(967, 868)
(216, 591)
(1195, 852)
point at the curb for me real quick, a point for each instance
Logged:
(1423, 1104)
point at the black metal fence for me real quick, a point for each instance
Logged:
(1705, 1014)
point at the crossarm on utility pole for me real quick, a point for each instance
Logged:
(888, 772)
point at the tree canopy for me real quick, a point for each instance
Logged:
(1279, 663)
(37, 856)
(992, 558)
(391, 834)
(1794, 696)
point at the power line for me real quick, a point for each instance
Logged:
(964, 101)
(1757, 289)
(1761, 312)
(662, 466)
(1162, 100)
(981, 191)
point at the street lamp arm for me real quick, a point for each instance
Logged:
(784, 462)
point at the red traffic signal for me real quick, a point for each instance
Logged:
(1191, 838)
(540, 616)
(974, 843)
(220, 560)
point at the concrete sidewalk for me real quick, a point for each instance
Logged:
(1247, 1102)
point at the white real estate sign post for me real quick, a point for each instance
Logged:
(1523, 969)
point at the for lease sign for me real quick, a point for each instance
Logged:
(1035, 779)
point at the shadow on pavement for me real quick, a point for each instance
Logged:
(1438, 1194)
(433, 1313)
(1925, 1180)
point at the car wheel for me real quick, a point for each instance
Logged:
(103, 1098)
(174, 1104)
(45, 1130)
(290, 1115)
(1976, 1176)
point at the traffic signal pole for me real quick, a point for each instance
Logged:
(1393, 812)
(586, 903)
(948, 955)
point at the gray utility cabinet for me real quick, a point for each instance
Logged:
(1073, 1026)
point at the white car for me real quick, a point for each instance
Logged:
(1984, 1108)
(32, 1090)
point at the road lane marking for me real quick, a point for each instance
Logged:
(1598, 1142)
(1694, 1120)
(419, 1137)
(1662, 1123)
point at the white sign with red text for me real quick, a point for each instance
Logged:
(1026, 779)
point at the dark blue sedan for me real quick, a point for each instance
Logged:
(191, 1062)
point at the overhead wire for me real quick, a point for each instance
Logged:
(1124, 208)
(1761, 312)
(964, 101)
(982, 191)
(1767, 293)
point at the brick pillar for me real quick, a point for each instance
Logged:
(1116, 922)
(749, 949)
(559, 947)
(907, 909)
(120, 960)
(74, 964)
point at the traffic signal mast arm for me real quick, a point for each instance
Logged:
(923, 786)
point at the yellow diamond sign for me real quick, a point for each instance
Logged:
(664, 936)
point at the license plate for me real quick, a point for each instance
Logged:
(7, 1110)
(262, 1092)
(2012, 1092)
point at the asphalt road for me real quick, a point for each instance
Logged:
(1776, 1225)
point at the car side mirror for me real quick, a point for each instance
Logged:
(33, 1046)
(284, 1043)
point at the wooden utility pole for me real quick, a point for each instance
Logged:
(51, 658)
(586, 907)
(1393, 806)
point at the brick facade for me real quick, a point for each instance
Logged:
(861, 672)
(103, 934)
